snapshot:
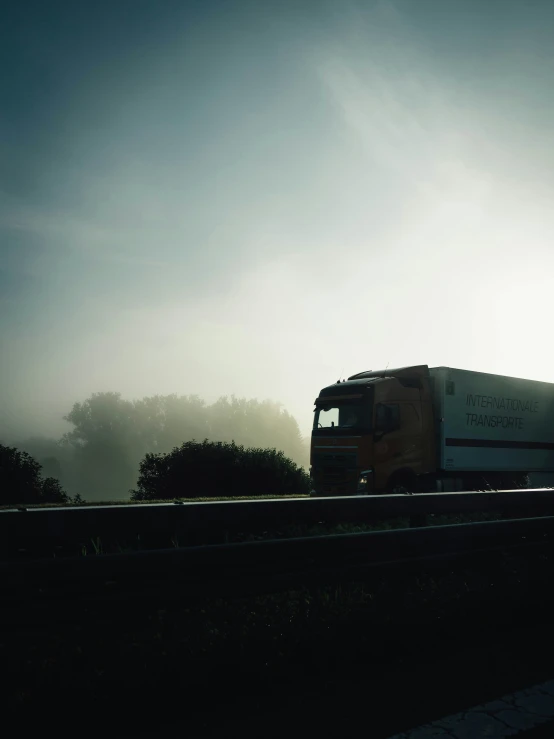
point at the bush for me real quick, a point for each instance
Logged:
(52, 491)
(217, 469)
(21, 481)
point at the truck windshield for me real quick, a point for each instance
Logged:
(340, 414)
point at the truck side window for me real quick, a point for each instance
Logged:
(387, 417)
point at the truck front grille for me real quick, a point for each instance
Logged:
(330, 460)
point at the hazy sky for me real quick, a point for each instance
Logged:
(253, 197)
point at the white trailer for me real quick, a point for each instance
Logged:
(494, 423)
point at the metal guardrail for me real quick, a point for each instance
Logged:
(191, 520)
(54, 586)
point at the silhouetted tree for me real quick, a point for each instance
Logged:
(164, 421)
(56, 458)
(255, 423)
(103, 428)
(112, 435)
(21, 481)
(218, 469)
(52, 491)
(102, 416)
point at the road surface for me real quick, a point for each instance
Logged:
(526, 713)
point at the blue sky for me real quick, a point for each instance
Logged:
(247, 197)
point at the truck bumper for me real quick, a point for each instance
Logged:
(361, 485)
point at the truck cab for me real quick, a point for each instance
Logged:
(373, 433)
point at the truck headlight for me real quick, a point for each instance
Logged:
(364, 481)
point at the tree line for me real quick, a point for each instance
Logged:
(100, 457)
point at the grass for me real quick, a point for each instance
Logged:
(164, 648)
(98, 543)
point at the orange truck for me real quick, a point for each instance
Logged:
(421, 429)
